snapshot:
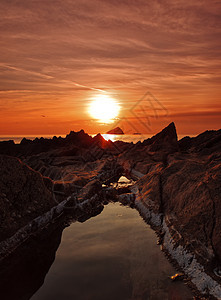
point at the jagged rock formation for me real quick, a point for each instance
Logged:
(178, 184)
(71, 143)
(144, 157)
(64, 167)
(186, 187)
(179, 193)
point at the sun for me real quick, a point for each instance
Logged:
(104, 108)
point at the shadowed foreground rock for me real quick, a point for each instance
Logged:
(23, 195)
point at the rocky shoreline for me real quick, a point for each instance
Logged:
(177, 190)
(202, 281)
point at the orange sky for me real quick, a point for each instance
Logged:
(56, 55)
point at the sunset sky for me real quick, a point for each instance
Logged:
(158, 59)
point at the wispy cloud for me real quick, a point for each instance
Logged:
(54, 53)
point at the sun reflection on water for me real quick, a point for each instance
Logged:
(111, 137)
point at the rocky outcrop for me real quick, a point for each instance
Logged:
(180, 197)
(68, 145)
(191, 196)
(177, 191)
(23, 195)
(116, 130)
(188, 192)
(164, 141)
(143, 157)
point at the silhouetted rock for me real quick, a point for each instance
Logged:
(40, 145)
(79, 138)
(185, 143)
(98, 140)
(166, 140)
(142, 157)
(25, 141)
(116, 130)
(7, 147)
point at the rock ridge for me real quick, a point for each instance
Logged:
(178, 183)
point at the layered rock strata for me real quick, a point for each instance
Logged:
(178, 188)
(179, 194)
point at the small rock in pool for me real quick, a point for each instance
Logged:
(160, 240)
(217, 271)
(177, 276)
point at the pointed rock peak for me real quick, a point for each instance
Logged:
(99, 141)
(98, 137)
(168, 132)
(167, 138)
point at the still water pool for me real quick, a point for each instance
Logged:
(111, 256)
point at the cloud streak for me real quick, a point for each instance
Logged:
(61, 52)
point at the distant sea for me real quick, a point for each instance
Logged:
(113, 137)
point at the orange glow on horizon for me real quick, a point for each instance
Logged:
(27, 118)
(50, 72)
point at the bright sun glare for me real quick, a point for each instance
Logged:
(104, 108)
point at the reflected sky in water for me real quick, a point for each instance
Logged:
(111, 256)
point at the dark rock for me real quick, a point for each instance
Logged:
(116, 130)
(25, 141)
(123, 190)
(79, 138)
(110, 194)
(127, 198)
(187, 191)
(142, 156)
(99, 141)
(166, 140)
(185, 143)
(181, 182)
(23, 197)
(68, 151)
(91, 213)
(89, 190)
(7, 147)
